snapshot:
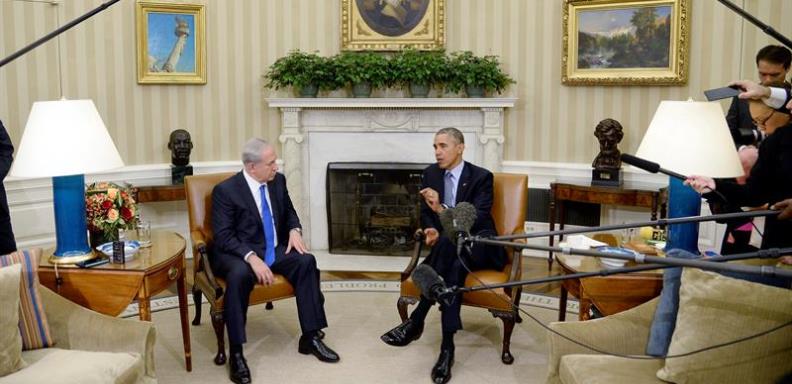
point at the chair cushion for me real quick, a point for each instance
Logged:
(596, 369)
(10, 340)
(715, 309)
(32, 319)
(54, 365)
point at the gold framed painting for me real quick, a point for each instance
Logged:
(392, 25)
(625, 42)
(171, 43)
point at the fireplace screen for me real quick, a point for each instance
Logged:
(373, 208)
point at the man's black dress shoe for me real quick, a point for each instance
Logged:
(320, 333)
(238, 369)
(313, 345)
(441, 372)
(403, 334)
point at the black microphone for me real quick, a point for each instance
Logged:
(432, 285)
(457, 221)
(649, 166)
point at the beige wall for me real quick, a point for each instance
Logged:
(550, 123)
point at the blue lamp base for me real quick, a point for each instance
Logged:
(71, 229)
(683, 201)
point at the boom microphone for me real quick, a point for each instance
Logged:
(458, 220)
(649, 166)
(432, 285)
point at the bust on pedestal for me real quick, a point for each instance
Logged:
(607, 164)
(180, 146)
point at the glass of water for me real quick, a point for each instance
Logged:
(144, 233)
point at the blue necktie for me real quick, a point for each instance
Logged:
(269, 229)
(449, 197)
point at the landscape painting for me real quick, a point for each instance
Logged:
(625, 42)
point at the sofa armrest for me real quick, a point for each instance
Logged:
(78, 328)
(624, 333)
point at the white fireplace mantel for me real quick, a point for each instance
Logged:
(317, 131)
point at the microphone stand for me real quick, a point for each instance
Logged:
(674, 262)
(661, 222)
(764, 27)
(763, 254)
(56, 32)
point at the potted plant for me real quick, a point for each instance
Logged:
(364, 71)
(419, 70)
(476, 75)
(305, 72)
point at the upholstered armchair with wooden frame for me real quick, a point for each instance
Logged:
(199, 204)
(510, 201)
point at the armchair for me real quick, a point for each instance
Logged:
(199, 205)
(510, 201)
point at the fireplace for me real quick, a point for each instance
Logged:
(373, 208)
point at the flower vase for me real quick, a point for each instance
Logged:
(100, 237)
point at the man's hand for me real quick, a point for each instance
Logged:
(432, 199)
(751, 90)
(785, 206)
(700, 183)
(262, 271)
(431, 236)
(296, 242)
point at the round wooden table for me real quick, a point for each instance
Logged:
(110, 288)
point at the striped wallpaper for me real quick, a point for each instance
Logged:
(551, 122)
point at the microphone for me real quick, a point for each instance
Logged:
(458, 220)
(649, 166)
(432, 285)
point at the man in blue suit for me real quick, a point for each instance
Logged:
(445, 184)
(257, 233)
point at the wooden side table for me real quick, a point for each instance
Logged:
(632, 195)
(154, 193)
(110, 288)
(610, 294)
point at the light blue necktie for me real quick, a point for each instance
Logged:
(449, 197)
(269, 229)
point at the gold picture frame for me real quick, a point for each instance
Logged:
(625, 42)
(392, 25)
(171, 43)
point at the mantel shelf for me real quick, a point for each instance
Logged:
(397, 102)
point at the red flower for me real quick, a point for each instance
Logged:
(126, 213)
(107, 204)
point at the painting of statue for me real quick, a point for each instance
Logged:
(170, 43)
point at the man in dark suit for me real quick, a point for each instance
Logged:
(7, 242)
(445, 184)
(257, 233)
(772, 64)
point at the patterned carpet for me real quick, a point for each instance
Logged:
(358, 311)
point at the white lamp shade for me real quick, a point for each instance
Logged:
(691, 138)
(64, 137)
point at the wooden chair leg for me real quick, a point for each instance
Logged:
(197, 301)
(269, 306)
(402, 304)
(508, 327)
(218, 322)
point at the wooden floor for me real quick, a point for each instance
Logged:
(533, 268)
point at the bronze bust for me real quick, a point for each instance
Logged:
(607, 164)
(180, 146)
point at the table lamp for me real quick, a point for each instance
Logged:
(690, 138)
(66, 139)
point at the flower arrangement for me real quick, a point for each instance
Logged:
(109, 208)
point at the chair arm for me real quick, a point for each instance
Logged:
(77, 328)
(624, 333)
(199, 245)
(418, 236)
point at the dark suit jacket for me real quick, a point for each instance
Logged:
(739, 116)
(7, 242)
(236, 221)
(475, 187)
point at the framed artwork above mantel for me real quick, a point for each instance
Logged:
(625, 42)
(392, 25)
